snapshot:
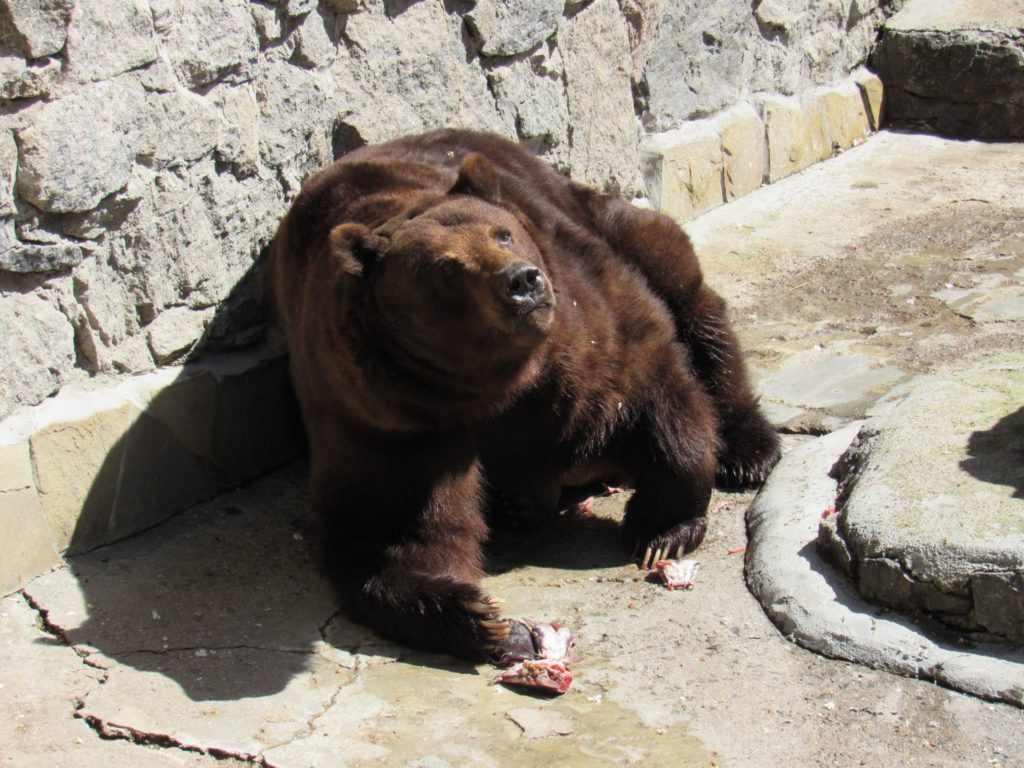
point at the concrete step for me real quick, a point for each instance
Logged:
(955, 67)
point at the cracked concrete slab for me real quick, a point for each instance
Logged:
(42, 683)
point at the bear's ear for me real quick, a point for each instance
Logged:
(355, 248)
(477, 177)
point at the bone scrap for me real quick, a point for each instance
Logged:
(677, 574)
(547, 669)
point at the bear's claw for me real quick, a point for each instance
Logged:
(673, 543)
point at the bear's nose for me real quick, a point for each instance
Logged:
(521, 284)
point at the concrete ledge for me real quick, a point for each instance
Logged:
(93, 465)
(705, 163)
(820, 609)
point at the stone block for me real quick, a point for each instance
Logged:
(237, 137)
(743, 150)
(872, 92)
(23, 79)
(258, 426)
(507, 28)
(54, 173)
(683, 170)
(78, 469)
(409, 73)
(595, 51)
(158, 476)
(314, 46)
(788, 136)
(35, 28)
(175, 331)
(183, 127)
(883, 581)
(531, 99)
(842, 117)
(108, 37)
(38, 352)
(15, 467)
(25, 546)
(999, 603)
(207, 40)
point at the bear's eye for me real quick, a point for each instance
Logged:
(450, 267)
(503, 236)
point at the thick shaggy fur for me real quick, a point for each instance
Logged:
(470, 330)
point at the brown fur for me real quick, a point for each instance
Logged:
(467, 325)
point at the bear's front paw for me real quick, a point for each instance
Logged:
(671, 544)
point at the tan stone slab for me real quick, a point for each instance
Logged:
(78, 465)
(843, 118)
(683, 169)
(788, 136)
(743, 150)
(25, 546)
(15, 467)
(873, 92)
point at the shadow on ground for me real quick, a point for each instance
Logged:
(997, 454)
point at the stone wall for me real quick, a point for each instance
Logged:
(149, 147)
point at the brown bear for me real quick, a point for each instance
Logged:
(468, 329)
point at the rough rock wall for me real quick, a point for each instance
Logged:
(148, 148)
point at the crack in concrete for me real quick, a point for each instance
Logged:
(110, 731)
(113, 731)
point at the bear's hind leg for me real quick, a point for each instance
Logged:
(659, 248)
(749, 444)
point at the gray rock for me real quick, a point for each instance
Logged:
(531, 99)
(841, 384)
(183, 127)
(41, 257)
(21, 79)
(110, 315)
(955, 68)
(238, 136)
(299, 7)
(999, 603)
(294, 118)
(643, 18)
(820, 609)
(175, 331)
(409, 73)
(167, 249)
(8, 172)
(268, 21)
(54, 174)
(595, 51)
(38, 353)
(35, 28)
(207, 40)
(314, 46)
(931, 498)
(509, 27)
(108, 37)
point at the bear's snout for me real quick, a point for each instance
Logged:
(523, 286)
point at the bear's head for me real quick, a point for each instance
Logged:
(459, 293)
